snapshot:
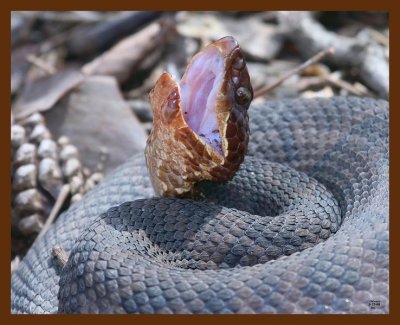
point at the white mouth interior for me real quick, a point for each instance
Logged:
(198, 89)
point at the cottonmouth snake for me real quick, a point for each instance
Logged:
(301, 228)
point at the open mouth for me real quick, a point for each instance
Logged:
(199, 89)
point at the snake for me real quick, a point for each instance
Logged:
(300, 224)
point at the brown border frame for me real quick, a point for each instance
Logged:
(5, 238)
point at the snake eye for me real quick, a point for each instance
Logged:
(243, 96)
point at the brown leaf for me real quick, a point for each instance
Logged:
(97, 119)
(41, 94)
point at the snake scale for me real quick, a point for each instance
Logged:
(301, 228)
(341, 142)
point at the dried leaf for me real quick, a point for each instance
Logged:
(41, 94)
(96, 118)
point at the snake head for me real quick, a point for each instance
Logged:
(200, 127)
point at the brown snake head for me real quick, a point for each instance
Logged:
(200, 129)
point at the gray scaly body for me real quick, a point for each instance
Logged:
(302, 228)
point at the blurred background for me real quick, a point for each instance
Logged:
(80, 82)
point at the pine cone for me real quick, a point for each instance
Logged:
(40, 167)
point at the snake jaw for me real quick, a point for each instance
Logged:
(200, 129)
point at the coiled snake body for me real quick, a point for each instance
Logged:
(341, 142)
(301, 228)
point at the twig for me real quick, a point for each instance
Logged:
(60, 255)
(65, 190)
(344, 85)
(42, 65)
(300, 68)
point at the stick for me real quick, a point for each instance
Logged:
(264, 90)
(344, 85)
(65, 190)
